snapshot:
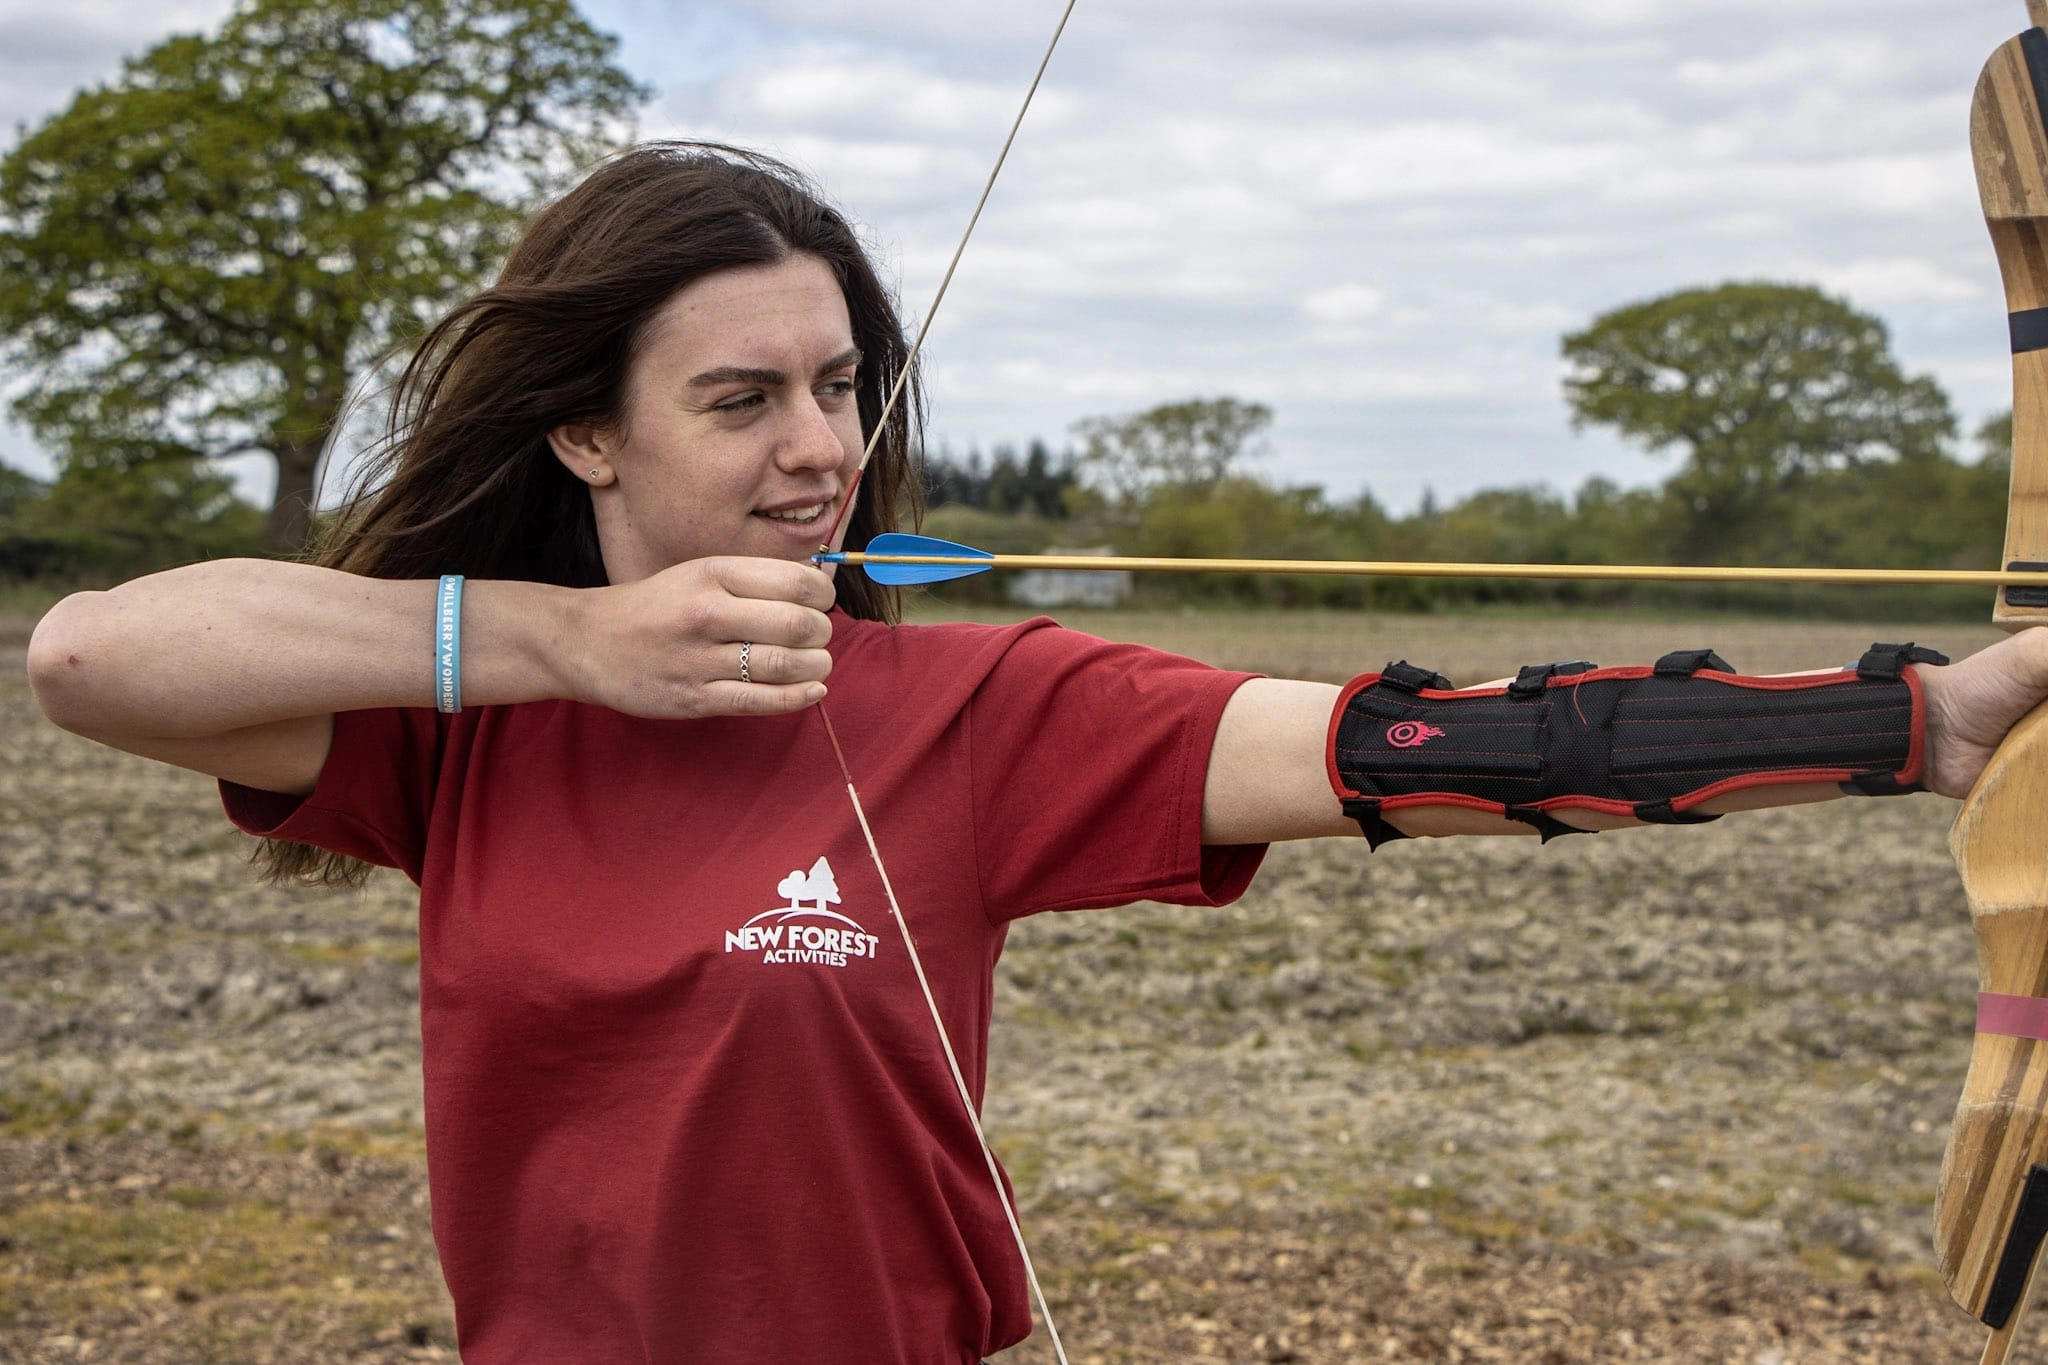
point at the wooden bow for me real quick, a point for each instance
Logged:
(1991, 1211)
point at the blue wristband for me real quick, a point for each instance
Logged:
(448, 645)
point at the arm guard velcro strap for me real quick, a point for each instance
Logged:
(1887, 663)
(1652, 743)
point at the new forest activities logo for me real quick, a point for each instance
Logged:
(798, 934)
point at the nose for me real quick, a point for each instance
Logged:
(814, 440)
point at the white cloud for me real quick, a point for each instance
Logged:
(860, 93)
(1345, 304)
(1894, 282)
(48, 52)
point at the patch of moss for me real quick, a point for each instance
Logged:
(33, 1108)
(352, 953)
(380, 1142)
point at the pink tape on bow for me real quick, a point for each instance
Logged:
(2012, 1016)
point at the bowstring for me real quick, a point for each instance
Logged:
(988, 1155)
(860, 814)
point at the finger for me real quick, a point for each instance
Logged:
(774, 664)
(773, 580)
(783, 624)
(760, 699)
(719, 627)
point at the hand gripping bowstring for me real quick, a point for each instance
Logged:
(860, 814)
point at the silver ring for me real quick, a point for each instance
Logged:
(746, 649)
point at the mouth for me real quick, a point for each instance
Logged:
(805, 514)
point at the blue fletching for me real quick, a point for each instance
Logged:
(903, 575)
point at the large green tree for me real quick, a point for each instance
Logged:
(1761, 388)
(196, 258)
(1176, 447)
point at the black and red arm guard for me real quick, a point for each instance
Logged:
(1652, 743)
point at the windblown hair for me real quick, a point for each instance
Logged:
(464, 480)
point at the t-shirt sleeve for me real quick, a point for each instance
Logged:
(375, 792)
(1089, 762)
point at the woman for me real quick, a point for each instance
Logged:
(684, 1100)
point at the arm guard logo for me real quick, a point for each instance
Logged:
(1409, 734)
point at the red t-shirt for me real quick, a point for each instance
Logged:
(684, 1101)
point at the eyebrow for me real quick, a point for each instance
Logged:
(744, 374)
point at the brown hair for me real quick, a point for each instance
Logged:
(464, 480)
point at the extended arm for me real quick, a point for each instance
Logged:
(1268, 777)
(236, 668)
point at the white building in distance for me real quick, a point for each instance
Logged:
(1072, 587)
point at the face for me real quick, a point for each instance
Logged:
(741, 430)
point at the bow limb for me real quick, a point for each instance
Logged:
(2009, 144)
(1991, 1210)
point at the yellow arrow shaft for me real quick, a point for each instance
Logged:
(1672, 573)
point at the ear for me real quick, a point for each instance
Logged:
(585, 451)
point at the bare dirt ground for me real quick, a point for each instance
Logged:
(1666, 1096)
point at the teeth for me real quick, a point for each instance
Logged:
(811, 513)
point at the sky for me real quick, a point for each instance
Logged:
(1378, 217)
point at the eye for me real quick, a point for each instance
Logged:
(742, 402)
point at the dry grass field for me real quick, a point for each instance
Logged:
(1674, 1095)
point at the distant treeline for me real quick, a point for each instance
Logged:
(1936, 513)
(1797, 440)
(1033, 485)
(99, 524)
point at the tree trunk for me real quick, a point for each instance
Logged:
(291, 511)
(297, 442)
